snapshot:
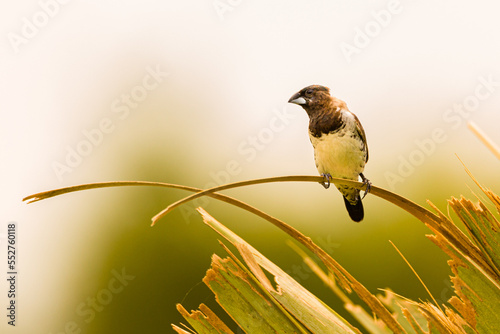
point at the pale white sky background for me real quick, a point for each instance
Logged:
(228, 73)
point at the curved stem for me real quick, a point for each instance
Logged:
(51, 193)
(411, 207)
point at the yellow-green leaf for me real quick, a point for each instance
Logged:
(478, 296)
(245, 301)
(204, 321)
(311, 312)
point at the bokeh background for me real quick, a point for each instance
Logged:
(195, 93)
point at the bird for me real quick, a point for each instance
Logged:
(339, 142)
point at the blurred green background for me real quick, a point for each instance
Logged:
(195, 93)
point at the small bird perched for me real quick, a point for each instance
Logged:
(339, 142)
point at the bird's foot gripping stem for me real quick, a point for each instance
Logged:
(367, 183)
(326, 182)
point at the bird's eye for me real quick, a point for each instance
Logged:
(309, 92)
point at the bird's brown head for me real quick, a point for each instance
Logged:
(312, 98)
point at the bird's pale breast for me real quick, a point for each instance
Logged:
(341, 153)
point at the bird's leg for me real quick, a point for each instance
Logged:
(326, 183)
(367, 183)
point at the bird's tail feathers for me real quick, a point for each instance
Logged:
(356, 211)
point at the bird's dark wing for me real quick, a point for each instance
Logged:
(362, 135)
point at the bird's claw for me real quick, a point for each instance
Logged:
(326, 182)
(367, 183)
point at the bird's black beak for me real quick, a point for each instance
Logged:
(297, 99)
